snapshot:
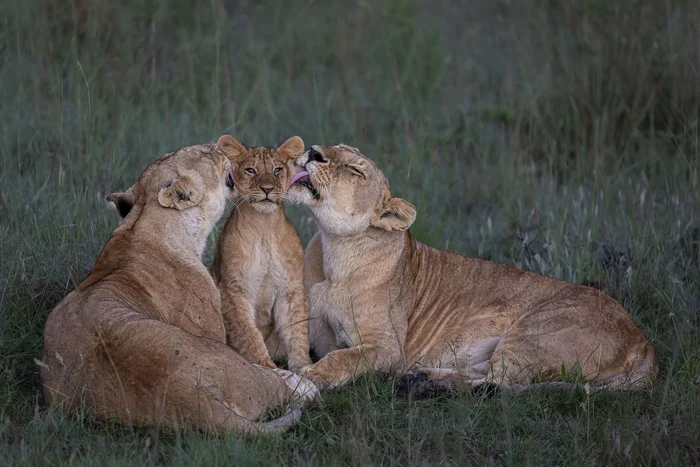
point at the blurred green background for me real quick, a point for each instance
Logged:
(558, 136)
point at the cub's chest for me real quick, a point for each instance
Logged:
(262, 260)
(264, 274)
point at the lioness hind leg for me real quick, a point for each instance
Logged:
(154, 372)
(579, 335)
(556, 359)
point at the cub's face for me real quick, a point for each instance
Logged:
(347, 192)
(192, 177)
(261, 178)
(262, 175)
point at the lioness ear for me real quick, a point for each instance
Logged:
(234, 149)
(292, 148)
(121, 202)
(183, 192)
(359, 168)
(397, 214)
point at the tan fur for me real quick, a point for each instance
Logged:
(381, 300)
(142, 338)
(259, 263)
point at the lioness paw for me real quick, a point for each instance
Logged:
(313, 373)
(303, 390)
(420, 386)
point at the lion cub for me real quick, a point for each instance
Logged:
(259, 264)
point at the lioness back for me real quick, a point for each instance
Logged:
(259, 259)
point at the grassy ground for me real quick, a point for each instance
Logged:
(558, 136)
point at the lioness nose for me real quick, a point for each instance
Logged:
(267, 188)
(315, 155)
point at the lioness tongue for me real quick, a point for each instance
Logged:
(298, 176)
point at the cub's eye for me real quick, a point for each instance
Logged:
(278, 170)
(250, 171)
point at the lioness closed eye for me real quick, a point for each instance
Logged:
(142, 338)
(259, 265)
(381, 300)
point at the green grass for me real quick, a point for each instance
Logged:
(558, 136)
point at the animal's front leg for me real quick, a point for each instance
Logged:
(367, 322)
(340, 366)
(292, 325)
(241, 332)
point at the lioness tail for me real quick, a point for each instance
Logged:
(279, 425)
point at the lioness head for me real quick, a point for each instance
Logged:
(195, 176)
(347, 192)
(262, 174)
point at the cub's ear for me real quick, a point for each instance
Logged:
(291, 149)
(234, 149)
(121, 202)
(183, 192)
(396, 214)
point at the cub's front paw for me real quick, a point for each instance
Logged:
(303, 390)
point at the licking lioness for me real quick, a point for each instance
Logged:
(142, 338)
(381, 300)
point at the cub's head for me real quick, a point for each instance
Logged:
(261, 174)
(192, 178)
(347, 192)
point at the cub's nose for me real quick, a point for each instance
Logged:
(267, 189)
(316, 156)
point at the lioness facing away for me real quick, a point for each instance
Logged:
(259, 265)
(381, 300)
(142, 338)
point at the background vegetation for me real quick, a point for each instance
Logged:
(559, 136)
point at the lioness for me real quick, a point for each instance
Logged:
(381, 300)
(259, 265)
(142, 338)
